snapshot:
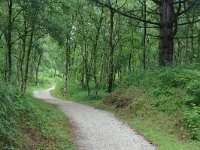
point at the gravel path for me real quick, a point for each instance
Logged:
(96, 129)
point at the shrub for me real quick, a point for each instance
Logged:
(193, 89)
(192, 122)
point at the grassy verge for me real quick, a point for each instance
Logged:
(32, 123)
(160, 124)
(76, 94)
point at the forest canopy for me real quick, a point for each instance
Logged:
(97, 41)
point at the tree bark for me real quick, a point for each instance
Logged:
(98, 27)
(9, 38)
(23, 56)
(144, 14)
(67, 55)
(166, 32)
(28, 58)
(87, 75)
(37, 69)
(111, 65)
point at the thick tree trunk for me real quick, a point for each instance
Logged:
(166, 32)
(111, 65)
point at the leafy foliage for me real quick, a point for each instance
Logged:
(23, 117)
(172, 90)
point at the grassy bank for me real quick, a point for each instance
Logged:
(163, 105)
(29, 123)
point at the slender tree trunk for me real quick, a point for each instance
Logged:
(23, 56)
(9, 38)
(166, 32)
(111, 64)
(67, 55)
(95, 64)
(83, 80)
(187, 30)
(129, 63)
(87, 75)
(6, 68)
(179, 51)
(198, 52)
(95, 59)
(192, 41)
(37, 69)
(144, 14)
(28, 58)
(102, 72)
(55, 72)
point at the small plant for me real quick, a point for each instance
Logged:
(192, 122)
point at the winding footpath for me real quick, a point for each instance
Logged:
(96, 129)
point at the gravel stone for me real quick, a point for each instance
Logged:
(96, 129)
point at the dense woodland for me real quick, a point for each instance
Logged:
(98, 41)
(102, 45)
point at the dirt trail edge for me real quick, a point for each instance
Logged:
(96, 129)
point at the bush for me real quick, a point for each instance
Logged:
(171, 90)
(9, 104)
(193, 89)
(192, 122)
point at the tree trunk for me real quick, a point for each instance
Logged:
(9, 39)
(111, 65)
(192, 41)
(95, 58)
(83, 78)
(129, 63)
(28, 59)
(23, 56)
(102, 72)
(198, 52)
(179, 51)
(87, 75)
(166, 32)
(144, 14)
(67, 55)
(37, 69)
(95, 64)
(55, 72)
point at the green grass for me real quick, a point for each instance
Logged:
(163, 140)
(75, 93)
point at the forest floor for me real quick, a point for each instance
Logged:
(97, 129)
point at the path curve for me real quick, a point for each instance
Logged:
(96, 129)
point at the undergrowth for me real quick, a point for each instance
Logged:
(29, 123)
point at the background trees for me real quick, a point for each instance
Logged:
(98, 42)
